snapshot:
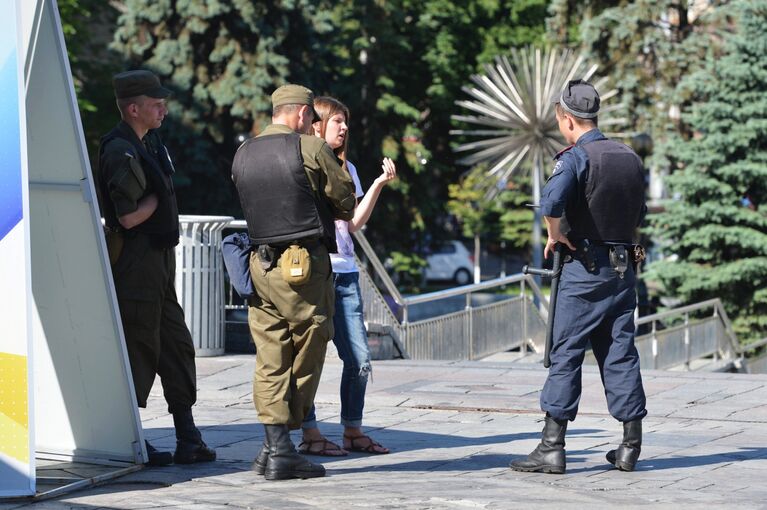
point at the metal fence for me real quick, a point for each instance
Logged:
(692, 337)
(697, 336)
(471, 333)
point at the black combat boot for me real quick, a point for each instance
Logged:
(157, 458)
(283, 461)
(190, 447)
(549, 456)
(259, 465)
(626, 455)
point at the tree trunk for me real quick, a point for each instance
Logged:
(477, 273)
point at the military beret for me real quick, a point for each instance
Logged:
(294, 94)
(138, 83)
(580, 99)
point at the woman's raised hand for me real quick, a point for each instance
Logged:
(389, 172)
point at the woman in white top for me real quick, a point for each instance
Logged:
(350, 335)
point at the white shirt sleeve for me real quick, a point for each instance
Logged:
(357, 185)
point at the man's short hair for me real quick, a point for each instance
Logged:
(581, 122)
(284, 109)
(124, 102)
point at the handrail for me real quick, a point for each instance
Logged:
(755, 345)
(719, 311)
(684, 311)
(470, 289)
(676, 311)
(442, 294)
(363, 243)
(381, 272)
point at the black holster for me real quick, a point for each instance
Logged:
(267, 256)
(584, 252)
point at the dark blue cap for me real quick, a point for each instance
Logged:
(580, 99)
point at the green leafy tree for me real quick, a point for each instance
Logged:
(516, 217)
(88, 27)
(408, 270)
(717, 226)
(398, 65)
(222, 60)
(475, 213)
(504, 218)
(408, 63)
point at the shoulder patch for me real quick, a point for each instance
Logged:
(118, 144)
(559, 154)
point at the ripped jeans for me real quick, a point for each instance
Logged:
(351, 340)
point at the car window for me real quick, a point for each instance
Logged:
(444, 249)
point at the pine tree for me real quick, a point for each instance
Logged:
(87, 28)
(222, 59)
(645, 47)
(717, 227)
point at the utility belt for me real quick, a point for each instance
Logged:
(115, 237)
(293, 256)
(619, 255)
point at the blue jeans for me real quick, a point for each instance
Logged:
(351, 340)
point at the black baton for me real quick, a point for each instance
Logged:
(552, 273)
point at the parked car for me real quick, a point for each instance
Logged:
(450, 261)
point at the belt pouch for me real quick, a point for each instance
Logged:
(115, 242)
(619, 259)
(296, 265)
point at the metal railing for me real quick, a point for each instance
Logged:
(692, 337)
(474, 332)
(697, 336)
(470, 333)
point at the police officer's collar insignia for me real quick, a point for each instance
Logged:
(563, 151)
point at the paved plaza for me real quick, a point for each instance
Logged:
(453, 427)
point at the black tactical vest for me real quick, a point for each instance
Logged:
(277, 199)
(162, 226)
(614, 195)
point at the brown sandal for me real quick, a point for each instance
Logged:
(370, 447)
(329, 448)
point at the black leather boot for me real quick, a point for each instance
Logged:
(283, 461)
(190, 447)
(626, 455)
(259, 465)
(549, 456)
(157, 458)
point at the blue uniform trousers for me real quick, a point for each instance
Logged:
(598, 308)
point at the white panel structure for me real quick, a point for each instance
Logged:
(17, 460)
(85, 402)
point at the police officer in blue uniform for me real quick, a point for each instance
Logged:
(592, 204)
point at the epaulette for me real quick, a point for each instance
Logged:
(559, 154)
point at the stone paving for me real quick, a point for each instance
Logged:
(453, 427)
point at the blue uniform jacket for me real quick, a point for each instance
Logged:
(568, 180)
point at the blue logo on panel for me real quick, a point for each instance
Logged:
(10, 143)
